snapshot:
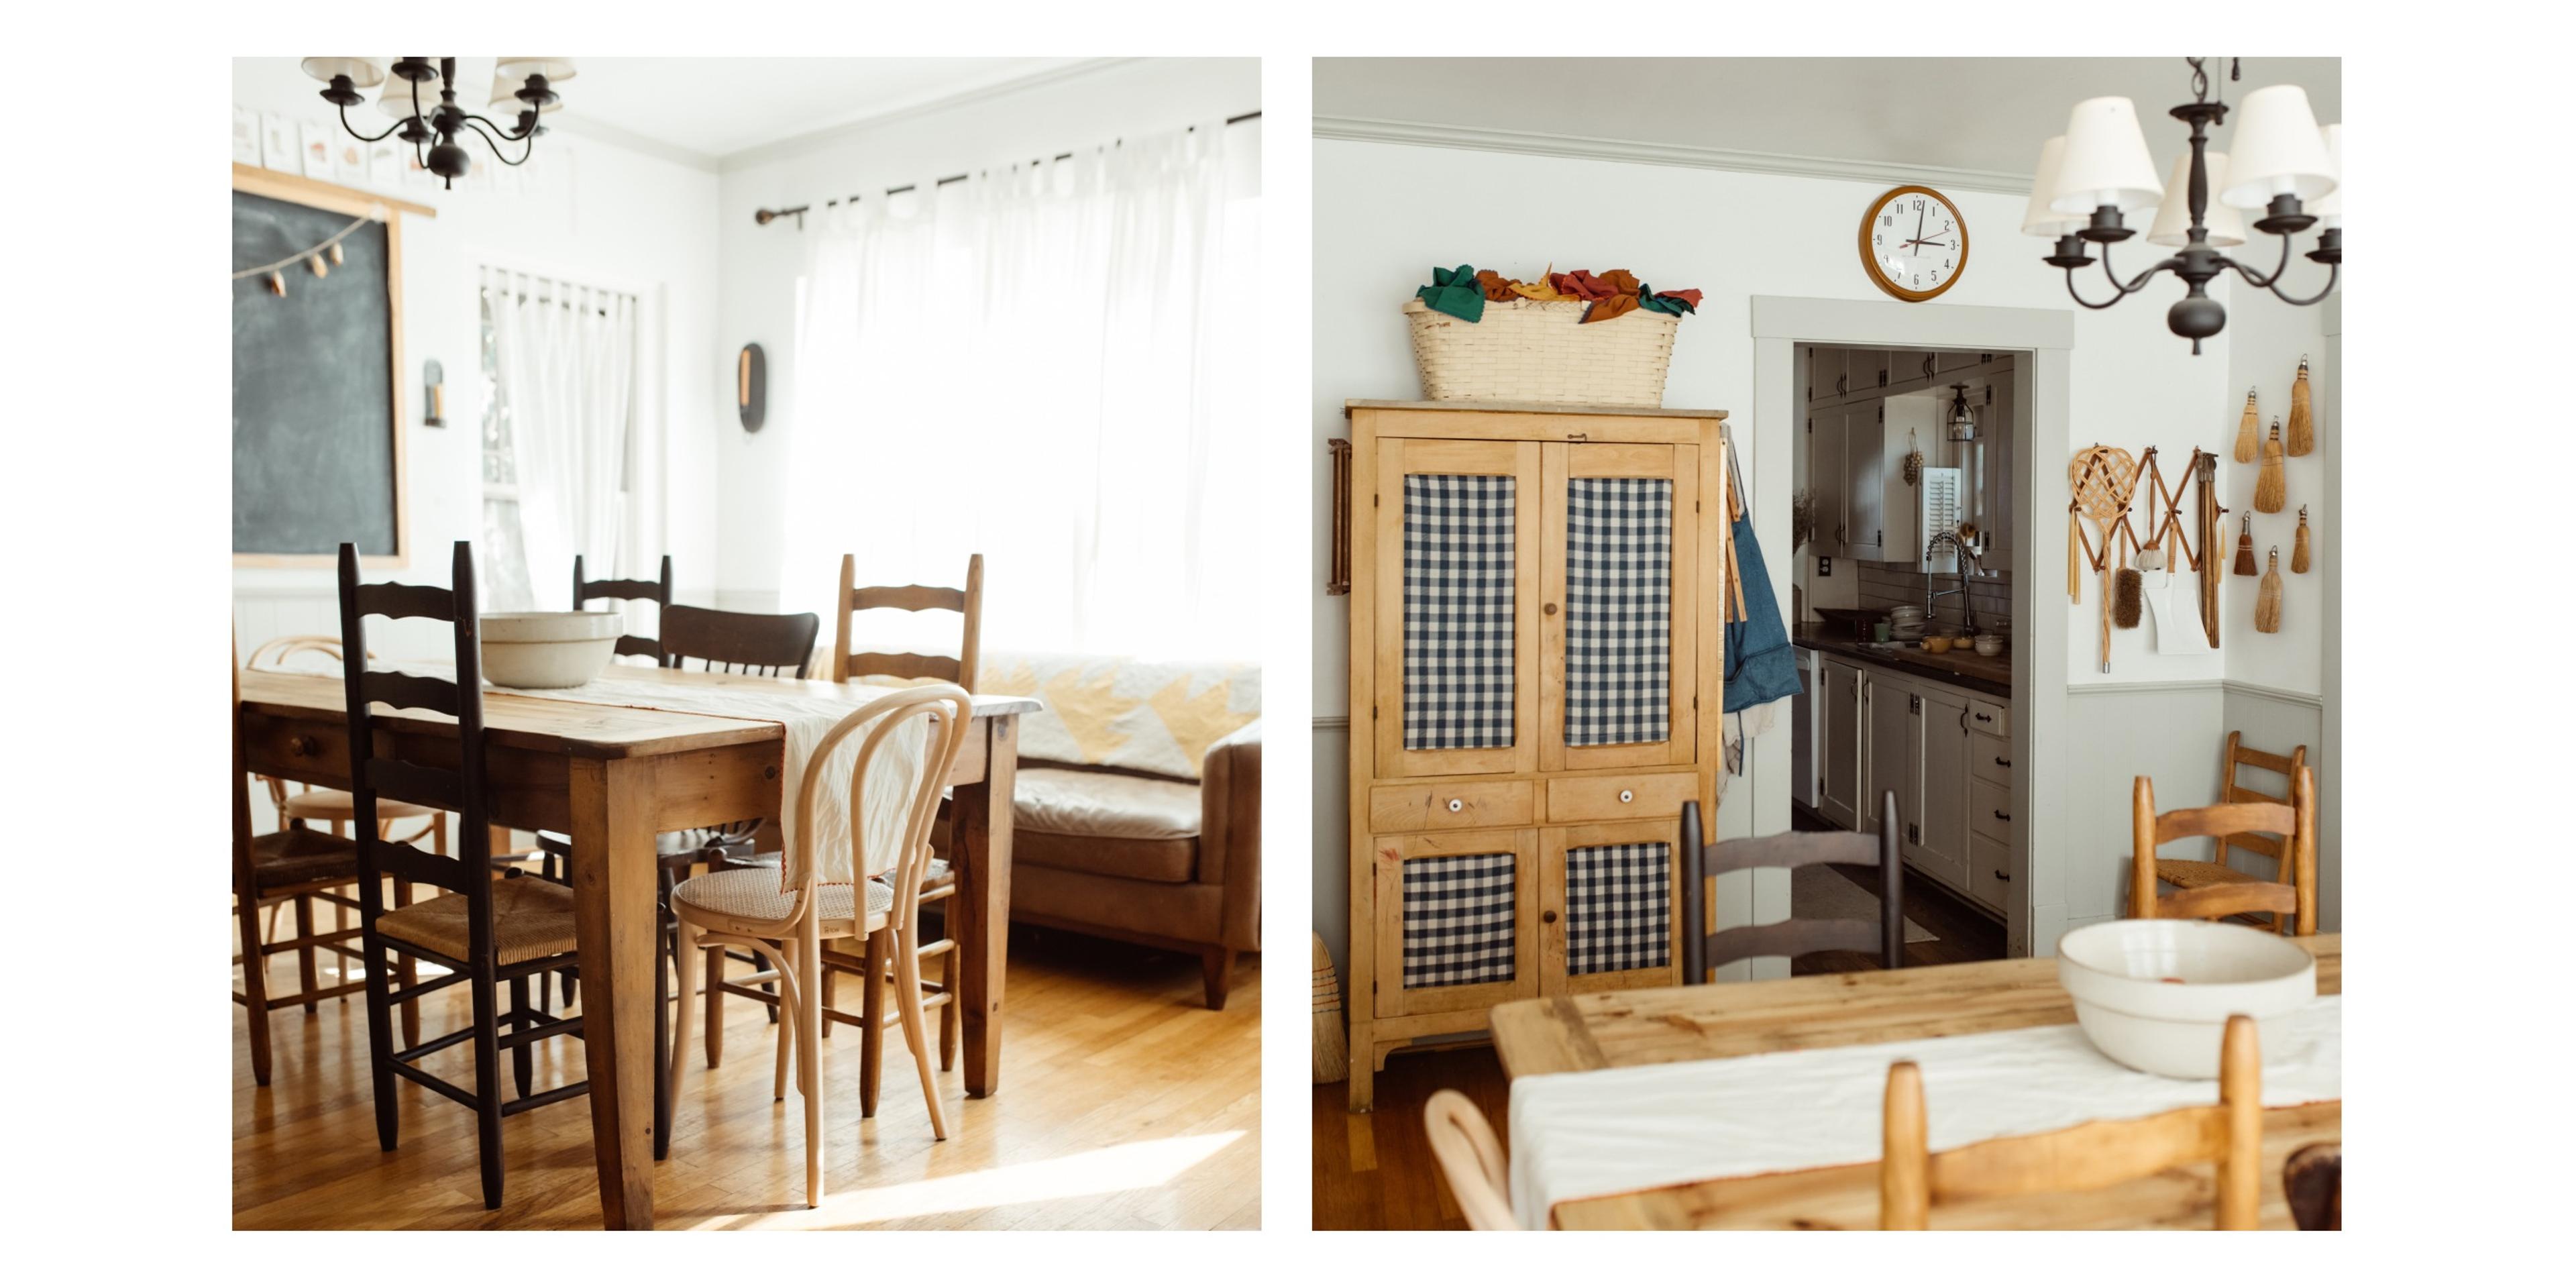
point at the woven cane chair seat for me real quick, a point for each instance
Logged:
(530, 919)
(752, 894)
(2192, 874)
(331, 806)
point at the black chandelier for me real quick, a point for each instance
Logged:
(2098, 171)
(430, 120)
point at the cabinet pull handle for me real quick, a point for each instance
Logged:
(2001, 875)
(2003, 762)
(2002, 815)
(1625, 796)
(1456, 804)
(1983, 718)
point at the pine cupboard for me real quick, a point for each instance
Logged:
(1536, 675)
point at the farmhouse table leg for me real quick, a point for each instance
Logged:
(614, 916)
(982, 904)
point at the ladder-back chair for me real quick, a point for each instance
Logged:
(2192, 874)
(2294, 896)
(630, 644)
(1704, 860)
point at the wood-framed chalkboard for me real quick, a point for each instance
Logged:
(318, 424)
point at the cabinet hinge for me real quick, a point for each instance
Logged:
(1882, 413)
(1914, 703)
(1914, 833)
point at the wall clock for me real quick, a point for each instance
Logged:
(1913, 243)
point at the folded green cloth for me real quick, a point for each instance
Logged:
(1456, 292)
(1673, 302)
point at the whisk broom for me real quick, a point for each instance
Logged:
(2299, 548)
(2271, 489)
(2249, 432)
(1331, 1052)
(2303, 420)
(2245, 548)
(2267, 602)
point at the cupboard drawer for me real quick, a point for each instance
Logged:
(1990, 759)
(1990, 872)
(1988, 717)
(1618, 796)
(1420, 807)
(1990, 809)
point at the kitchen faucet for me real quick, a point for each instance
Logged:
(1967, 560)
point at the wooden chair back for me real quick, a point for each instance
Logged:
(585, 590)
(1472, 1159)
(375, 771)
(2295, 821)
(2087, 1157)
(968, 603)
(1704, 860)
(2231, 791)
(772, 644)
(949, 714)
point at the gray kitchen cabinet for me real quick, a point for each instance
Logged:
(1865, 476)
(1827, 378)
(1839, 741)
(1826, 475)
(1888, 701)
(1805, 706)
(1936, 830)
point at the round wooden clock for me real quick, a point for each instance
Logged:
(1913, 242)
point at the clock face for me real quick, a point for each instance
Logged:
(1914, 243)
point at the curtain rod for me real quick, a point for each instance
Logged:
(764, 215)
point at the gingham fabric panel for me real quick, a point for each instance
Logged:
(1458, 611)
(1618, 611)
(1458, 920)
(1618, 907)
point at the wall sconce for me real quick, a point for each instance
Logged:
(751, 387)
(434, 378)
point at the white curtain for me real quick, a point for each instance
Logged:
(566, 364)
(1050, 364)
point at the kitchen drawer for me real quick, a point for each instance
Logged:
(1990, 872)
(1989, 717)
(1416, 807)
(1990, 759)
(1618, 796)
(1990, 809)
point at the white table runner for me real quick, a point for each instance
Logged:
(1618, 1131)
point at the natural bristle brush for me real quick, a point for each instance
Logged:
(2271, 487)
(2128, 596)
(2303, 417)
(2245, 549)
(2249, 432)
(2299, 547)
(2267, 602)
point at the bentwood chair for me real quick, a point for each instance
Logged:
(2088, 1157)
(2191, 874)
(869, 961)
(485, 931)
(1703, 860)
(1471, 1159)
(907, 742)
(294, 864)
(657, 593)
(2294, 821)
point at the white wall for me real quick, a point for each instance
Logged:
(624, 220)
(761, 263)
(1386, 213)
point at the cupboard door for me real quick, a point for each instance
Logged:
(1865, 480)
(1839, 742)
(1826, 375)
(1607, 897)
(1457, 577)
(1888, 708)
(1618, 585)
(1454, 929)
(1990, 872)
(1826, 475)
(1936, 824)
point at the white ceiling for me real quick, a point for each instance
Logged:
(717, 107)
(1974, 114)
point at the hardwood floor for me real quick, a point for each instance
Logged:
(1374, 1171)
(1125, 1104)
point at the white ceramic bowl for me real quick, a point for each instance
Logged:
(2155, 995)
(1990, 645)
(548, 650)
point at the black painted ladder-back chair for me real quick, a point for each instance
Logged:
(1703, 859)
(486, 932)
(629, 644)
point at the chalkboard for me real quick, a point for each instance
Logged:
(316, 434)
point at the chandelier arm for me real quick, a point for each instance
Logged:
(508, 133)
(363, 138)
(2332, 272)
(476, 124)
(2262, 281)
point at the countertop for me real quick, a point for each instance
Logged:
(1987, 675)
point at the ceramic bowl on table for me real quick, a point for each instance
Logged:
(548, 650)
(2155, 994)
(1937, 644)
(1989, 645)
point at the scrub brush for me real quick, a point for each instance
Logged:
(2271, 490)
(2128, 597)
(2267, 602)
(2299, 548)
(2303, 418)
(2249, 432)
(2245, 548)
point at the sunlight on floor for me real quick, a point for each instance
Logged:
(1144, 1165)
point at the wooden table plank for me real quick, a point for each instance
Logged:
(1579, 1032)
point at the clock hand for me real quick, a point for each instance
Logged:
(1918, 225)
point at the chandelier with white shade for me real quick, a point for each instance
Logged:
(2278, 163)
(429, 119)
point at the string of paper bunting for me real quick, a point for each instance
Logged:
(328, 248)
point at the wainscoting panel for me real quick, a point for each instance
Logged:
(2276, 720)
(2170, 732)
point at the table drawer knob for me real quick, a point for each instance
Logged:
(1456, 804)
(1626, 796)
(303, 745)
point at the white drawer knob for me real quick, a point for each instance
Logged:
(1456, 804)
(1626, 796)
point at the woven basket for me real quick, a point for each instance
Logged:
(1540, 351)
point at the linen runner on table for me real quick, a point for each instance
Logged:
(1606, 1132)
(806, 715)
(1458, 686)
(1618, 611)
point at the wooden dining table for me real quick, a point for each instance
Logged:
(1571, 1033)
(612, 778)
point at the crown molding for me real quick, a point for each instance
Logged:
(1355, 129)
(583, 127)
(840, 132)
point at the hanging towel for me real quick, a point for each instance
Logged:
(1760, 665)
